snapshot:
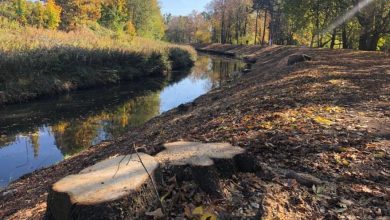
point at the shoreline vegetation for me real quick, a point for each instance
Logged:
(40, 62)
(318, 130)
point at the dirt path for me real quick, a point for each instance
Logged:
(327, 119)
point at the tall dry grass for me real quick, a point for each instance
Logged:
(36, 62)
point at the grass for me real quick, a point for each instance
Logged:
(37, 62)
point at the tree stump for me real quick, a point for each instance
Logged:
(205, 162)
(298, 58)
(115, 188)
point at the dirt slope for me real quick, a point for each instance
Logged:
(327, 119)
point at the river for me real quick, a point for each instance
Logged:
(42, 133)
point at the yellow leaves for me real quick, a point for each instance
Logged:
(267, 125)
(325, 115)
(334, 109)
(53, 13)
(200, 213)
(247, 118)
(345, 158)
(323, 121)
(343, 149)
(379, 155)
(340, 160)
(130, 30)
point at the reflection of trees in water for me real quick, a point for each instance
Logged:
(218, 70)
(34, 140)
(73, 136)
(132, 114)
(129, 105)
(6, 140)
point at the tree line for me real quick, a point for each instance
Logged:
(141, 17)
(348, 24)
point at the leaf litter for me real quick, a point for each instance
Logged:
(327, 119)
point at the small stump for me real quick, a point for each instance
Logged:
(205, 162)
(298, 58)
(115, 188)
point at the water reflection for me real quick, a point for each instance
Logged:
(39, 134)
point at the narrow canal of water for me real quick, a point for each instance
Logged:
(42, 133)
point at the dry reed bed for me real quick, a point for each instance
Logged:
(37, 62)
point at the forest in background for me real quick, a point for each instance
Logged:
(134, 17)
(348, 24)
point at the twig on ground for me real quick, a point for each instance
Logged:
(151, 179)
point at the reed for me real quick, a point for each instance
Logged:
(38, 62)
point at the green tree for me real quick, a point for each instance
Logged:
(146, 17)
(114, 15)
(375, 24)
(21, 11)
(38, 15)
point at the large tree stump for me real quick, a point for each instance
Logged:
(205, 162)
(116, 188)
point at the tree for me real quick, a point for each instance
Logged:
(375, 24)
(130, 30)
(146, 17)
(79, 12)
(114, 15)
(21, 11)
(53, 14)
(258, 6)
(38, 15)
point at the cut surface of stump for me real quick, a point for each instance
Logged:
(206, 162)
(196, 153)
(107, 189)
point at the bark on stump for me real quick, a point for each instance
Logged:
(116, 188)
(205, 162)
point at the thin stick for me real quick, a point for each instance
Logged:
(151, 179)
(118, 166)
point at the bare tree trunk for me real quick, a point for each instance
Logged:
(264, 26)
(312, 40)
(237, 27)
(332, 42)
(344, 37)
(257, 25)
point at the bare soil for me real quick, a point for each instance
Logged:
(324, 122)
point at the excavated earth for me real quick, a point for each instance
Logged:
(320, 131)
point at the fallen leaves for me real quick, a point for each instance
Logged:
(323, 121)
(199, 213)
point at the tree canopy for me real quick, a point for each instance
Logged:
(354, 24)
(141, 17)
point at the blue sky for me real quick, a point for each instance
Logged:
(182, 7)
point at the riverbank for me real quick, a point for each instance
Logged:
(42, 133)
(237, 51)
(327, 119)
(37, 62)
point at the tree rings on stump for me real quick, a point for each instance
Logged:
(118, 187)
